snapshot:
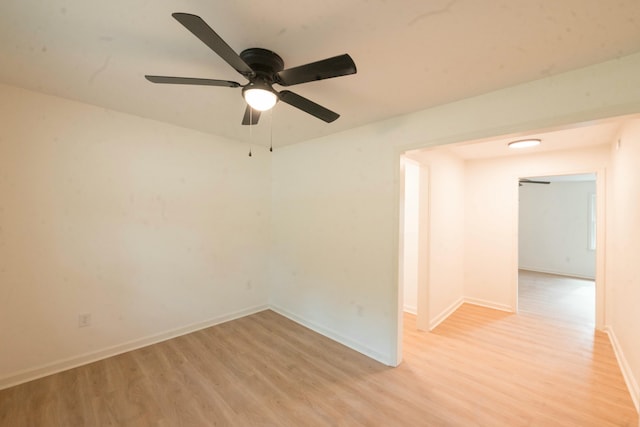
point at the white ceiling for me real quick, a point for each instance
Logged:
(410, 54)
(581, 177)
(578, 136)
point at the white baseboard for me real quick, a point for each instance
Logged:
(557, 273)
(410, 309)
(632, 384)
(489, 304)
(83, 359)
(335, 336)
(433, 323)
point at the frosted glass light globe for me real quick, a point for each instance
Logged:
(260, 99)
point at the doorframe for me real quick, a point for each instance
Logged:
(601, 198)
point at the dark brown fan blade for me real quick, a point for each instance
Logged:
(201, 30)
(251, 116)
(308, 106)
(531, 181)
(337, 66)
(191, 81)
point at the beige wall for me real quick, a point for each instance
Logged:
(410, 234)
(151, 228)
(446, 232)
(623, 252)
(332, 261)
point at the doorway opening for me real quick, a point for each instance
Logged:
(468, 216)
(557, 227)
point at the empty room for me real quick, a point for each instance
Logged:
(557, 228)
(201, 212)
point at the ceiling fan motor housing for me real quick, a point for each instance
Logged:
(264, 62)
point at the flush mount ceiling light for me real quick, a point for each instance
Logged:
(524, 143)
(259, 96)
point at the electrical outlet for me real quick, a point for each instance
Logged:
(84, 320)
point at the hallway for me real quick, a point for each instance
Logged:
(546, 365)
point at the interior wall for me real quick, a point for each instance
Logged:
(492, 216)
(150, 228)
(554, 228)
(410, 258)
(336, 198)
(445, 265)
(623, 241)
(332, 261)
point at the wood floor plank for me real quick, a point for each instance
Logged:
(480, 367)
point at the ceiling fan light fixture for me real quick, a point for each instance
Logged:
(259, 96)
(524, 143)
(262, 68)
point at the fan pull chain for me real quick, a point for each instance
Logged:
(250, 130)
(271, 130)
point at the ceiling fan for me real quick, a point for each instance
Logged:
(531, 181)
(263, 68)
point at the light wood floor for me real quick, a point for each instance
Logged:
(567, 299)
(480, 367)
